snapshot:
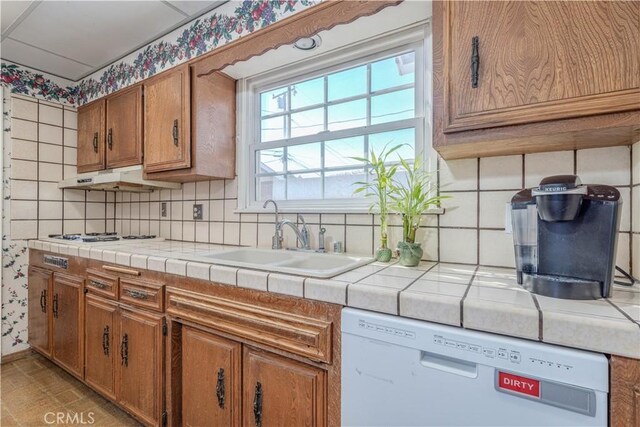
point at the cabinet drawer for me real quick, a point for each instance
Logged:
(305, 336)
(99, 283)
(141, 293)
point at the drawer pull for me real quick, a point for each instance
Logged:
(257, 405)
(55, 306)
(110, 139)
(95, 142)
(175, 133)
(121, 270)
(475, 62)
(97, 284)
(137, 294)
(220, 388)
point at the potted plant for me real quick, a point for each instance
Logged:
(412, 198)
(379, 187)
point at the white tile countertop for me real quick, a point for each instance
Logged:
(480, 298)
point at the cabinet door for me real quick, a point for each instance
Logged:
(210, 379)
(167, 140)
(124, 128)
(277, 391)
(39, 309)
(140, 376)
(67, 322)
(91, 137)
(532, 66)
(100, 345)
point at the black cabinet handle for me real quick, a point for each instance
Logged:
(133, 293)
(475, 61)
(220, 388)
(55, 306)
(257, 405)
(105, 341)
(97, 284)
(124, 350)
(43, 301)
(110, 139)
(175, 132)
(95, 142)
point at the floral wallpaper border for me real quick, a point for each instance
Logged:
(223, 25)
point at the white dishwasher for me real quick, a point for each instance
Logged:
(403, 372)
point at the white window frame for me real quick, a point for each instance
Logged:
(416, 37)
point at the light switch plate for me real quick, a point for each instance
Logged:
(197, 211)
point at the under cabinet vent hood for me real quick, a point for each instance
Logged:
(121, 179)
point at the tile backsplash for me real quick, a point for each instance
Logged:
(471, 231)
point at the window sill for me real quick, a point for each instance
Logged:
(319, 210)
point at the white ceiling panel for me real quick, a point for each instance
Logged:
(92, 32)
(35, 58)
(10, 11)
(193, 8)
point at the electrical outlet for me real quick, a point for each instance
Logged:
(197, 211)
(163, 209)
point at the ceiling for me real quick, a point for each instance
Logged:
(72, 39)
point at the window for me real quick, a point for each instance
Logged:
(309, 128)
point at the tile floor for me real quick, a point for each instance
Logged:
(34, 390)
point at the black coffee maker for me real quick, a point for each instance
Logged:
(565, 236)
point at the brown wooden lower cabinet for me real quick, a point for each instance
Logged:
(100, 344)
(624, 410)
(210, 379)
(281, 392)
(140, 380)
(67, 313)
(39, 300)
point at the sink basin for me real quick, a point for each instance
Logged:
(308, 264)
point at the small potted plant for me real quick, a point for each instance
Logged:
(411, 198)
(379, 187)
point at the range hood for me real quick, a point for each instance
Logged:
(121, 179)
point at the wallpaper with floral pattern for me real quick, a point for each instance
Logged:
(15, 259)
(223, 25)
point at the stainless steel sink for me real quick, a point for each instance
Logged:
(308, 264)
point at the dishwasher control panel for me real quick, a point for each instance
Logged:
(497, 352)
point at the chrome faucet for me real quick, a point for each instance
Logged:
(276, 240)
(301, 234)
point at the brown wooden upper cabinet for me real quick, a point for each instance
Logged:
(124, 128)
(110, 131)
(189, 126)
(91, 137)
(520, 76)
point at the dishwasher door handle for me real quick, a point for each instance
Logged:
(449, 364)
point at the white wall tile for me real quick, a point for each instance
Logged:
(21, 169)
(625, 219)
(493, 208)
(458, 246)
(635, 163)
(23, 129)
(461, 210)
(27, 190)
(50, 153)
(216, 232)
(50, 210)
(24, 229)
(50, 172)
(496, 248)
(458, 174)
(610, 165)
(541, 165)
(501, 173)
(24, 109)
(70, 119)
(50, 115)
(70, 138)
(70, 156)
(50, 191)
(24, 150)
(636, 255)
(249, 234)
(359, 240)
(231, 189)
(216, 189)
(49, 134)
(47, 227)
(635, 209)
(231, 233)
(21, 209)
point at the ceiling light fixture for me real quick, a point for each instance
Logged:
(308, 43)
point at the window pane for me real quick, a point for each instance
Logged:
(348, 115)
(378, 142)
(392, 72)
(392, 106)
(307, 122)
(340, 184)
(304, 186)
(307, 93)
(339, 152)
(273, 102)
(304, 157)
(347, 83)
(271, 161)
(273, 129)
(270, 187)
